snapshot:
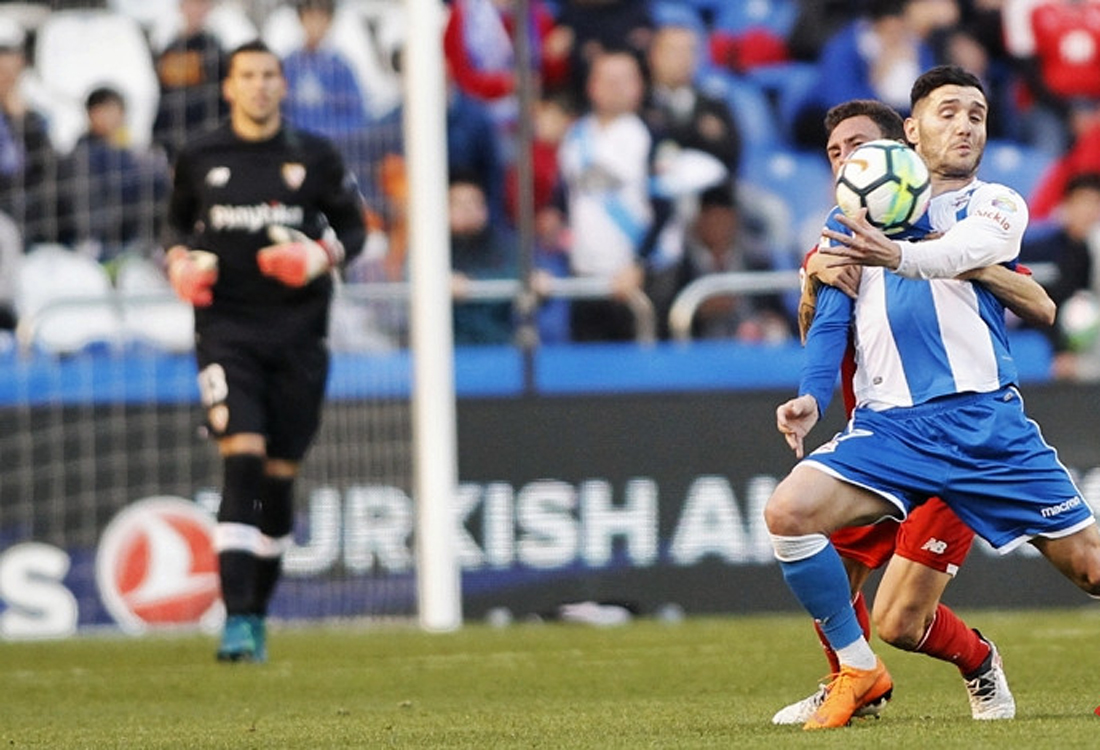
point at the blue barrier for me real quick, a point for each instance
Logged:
(148, 376)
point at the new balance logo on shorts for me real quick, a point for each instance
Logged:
(935, 546)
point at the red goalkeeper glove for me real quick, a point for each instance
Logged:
(192, 274)
(295, 259)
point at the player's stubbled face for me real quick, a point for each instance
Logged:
(948, 129)
(255, 85)
(849, 135)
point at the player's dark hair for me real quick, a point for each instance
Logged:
(889, 122)
(1083, 181)
(942, 75)
(876, 9)
(256, 45)
(103, 95)
(325, 6)
(464, 177)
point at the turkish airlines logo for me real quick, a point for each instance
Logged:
(156, 566)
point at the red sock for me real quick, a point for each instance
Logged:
(948, 638)
(859, 604)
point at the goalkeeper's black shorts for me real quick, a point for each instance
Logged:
(273, 389)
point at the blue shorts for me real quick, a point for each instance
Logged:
(977, 451)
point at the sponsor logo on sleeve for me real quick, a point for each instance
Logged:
(997, 217)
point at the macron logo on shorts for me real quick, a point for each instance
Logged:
(831, 446)
(1053, 510)
(935, 546)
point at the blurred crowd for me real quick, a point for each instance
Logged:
(672, 139)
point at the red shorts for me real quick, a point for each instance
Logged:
(932, 535)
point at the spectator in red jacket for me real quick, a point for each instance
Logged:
(1056, 44)
(1083, 156)
(477, 44)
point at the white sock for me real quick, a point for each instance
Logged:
(858, 655)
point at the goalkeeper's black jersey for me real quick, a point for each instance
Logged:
(227, 192)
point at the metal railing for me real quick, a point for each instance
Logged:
(693, 295)
(681, 314)
(689, 299)
(497, 290)
(117, 303)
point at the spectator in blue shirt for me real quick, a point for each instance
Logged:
(876, 56)
(110, 194)
(323, 94)
(479, 250)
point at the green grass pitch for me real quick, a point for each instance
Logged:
(701, 683)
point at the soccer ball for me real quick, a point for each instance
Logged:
(887, 178)
(1079, 318)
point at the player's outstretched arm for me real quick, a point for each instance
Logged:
(795, 419)
(1018, 292)
(989, 234)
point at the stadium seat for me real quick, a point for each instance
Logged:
(75, 52)
(775, 16)
(11, 258)
(151, 313)
(767, 215)
(1014, 164)
(29, 15)
(802, 179)
(65, 302)
(750, 107)
(790, 85)
(145, 12)
(670, 13)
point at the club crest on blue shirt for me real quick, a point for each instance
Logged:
(294, 175)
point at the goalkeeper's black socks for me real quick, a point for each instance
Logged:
(276, 523)
(243, 489)
(277, 507)
(268, 570)
(238, 572)
(238, 517)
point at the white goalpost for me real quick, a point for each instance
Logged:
(434, 429)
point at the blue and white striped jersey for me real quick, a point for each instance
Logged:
(918, 332)
(605, 169)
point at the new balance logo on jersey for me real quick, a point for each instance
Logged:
(935, 546)
(1053, 510)
(217, 177)
(254, 218)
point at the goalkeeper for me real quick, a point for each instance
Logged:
(260, 217)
